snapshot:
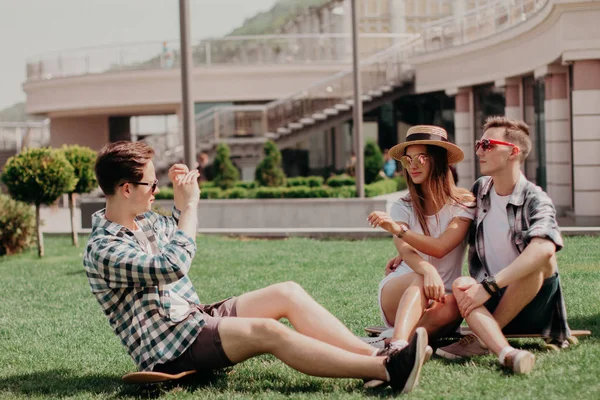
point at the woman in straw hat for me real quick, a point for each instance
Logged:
(429, 227)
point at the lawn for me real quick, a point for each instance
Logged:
(56, 343)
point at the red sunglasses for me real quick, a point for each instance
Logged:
(488, 144)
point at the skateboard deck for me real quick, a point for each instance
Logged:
(376, 331)
(146, 377)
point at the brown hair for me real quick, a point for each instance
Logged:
(121, 161)
(516, 132)
(439, 185)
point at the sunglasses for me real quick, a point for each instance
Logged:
(488, 144)
(407, 161)
(153, 185)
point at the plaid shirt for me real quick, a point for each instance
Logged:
(133, 287)
(531, 214)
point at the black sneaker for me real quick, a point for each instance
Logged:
(404, 366)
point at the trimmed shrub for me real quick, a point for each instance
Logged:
(298, 192)
(270, 192)
(17, 226)
(211, 193)
(236, 193)
(208, 184)
(314, 181)
(39, 176)
(165, 194)
(373, 161)
(268, 171)
(246, 185)
(341, 180)
(401, 182)
(345, 192)
(382, 187)
(226, 174)
(83, 160)
(310, 181)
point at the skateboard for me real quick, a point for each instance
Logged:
(146, 378)
(549, 344)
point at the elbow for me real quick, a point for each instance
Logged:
(545, 249)
(440, 252)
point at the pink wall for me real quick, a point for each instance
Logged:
(85, 131)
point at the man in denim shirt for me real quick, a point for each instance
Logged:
(514, 286)
(137, 263)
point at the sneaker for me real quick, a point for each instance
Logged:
(387, 351)
(404, 366)
(520, 361)
(468, 346)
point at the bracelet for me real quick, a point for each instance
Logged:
(487, 287)
(403, 229)
(491, 286)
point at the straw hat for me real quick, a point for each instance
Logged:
(431, 135)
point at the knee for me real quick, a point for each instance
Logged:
(289, 290)
(265, 330)
(462, 281)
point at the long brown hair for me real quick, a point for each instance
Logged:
(439, 185)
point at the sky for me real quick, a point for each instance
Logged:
(31, 27)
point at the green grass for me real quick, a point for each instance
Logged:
(56, 343)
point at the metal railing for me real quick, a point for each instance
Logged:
(478, 23)
(234, 50)
(15, 136)
(378, 71)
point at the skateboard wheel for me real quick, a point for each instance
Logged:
(573, 340)
(551, 347)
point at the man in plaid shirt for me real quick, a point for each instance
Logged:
(514, 286)
(137, 263)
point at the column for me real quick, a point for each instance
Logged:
(586, 137)
(558, 141)
(247, 166)
(529, 116)
(340, 147)
(465, 137)
(512, 94)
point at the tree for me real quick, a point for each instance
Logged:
(83, 160)
(373, 161)
(225, 173)
(39, 176)
(269, 171)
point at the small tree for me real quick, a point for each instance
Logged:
(82, 159)
(38, 176)
(225, 173)
(373, 161)
(269, 171)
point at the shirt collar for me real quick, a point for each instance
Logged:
(517, 197)
(99, 221)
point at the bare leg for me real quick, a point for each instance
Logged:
(243, 338)
(289, 300)
(440, 317)
(403, 298)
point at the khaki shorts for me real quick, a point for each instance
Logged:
(206, 353)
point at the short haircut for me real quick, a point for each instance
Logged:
(120, 162)
(516, 132)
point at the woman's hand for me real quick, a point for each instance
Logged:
(433, 286)
(383, 220)
(392, 264)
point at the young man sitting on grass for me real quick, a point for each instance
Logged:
(137, 263)
(514, 286)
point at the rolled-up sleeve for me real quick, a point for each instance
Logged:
(542, 220)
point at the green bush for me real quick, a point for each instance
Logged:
(382, 187)
(341, 180)
(269, 172)
(17, 226)
(401, 182)
(270, 192)
(310, 181)
(83, 160)
(345, 192)
(39, 176)
(236, 193)
(207, 184)
(211, 193)
(164, 194)
(246, 185)
(226, 174)
(373, 161)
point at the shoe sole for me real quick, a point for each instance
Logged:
(375, 383)
(446, 355)
(413, 378)
(524, 363)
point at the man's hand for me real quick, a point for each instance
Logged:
(177, 170)
(383, 220)
(433, 286)
(474, 296)
(392, 264)
(188, 189)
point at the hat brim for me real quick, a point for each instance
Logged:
(455, 154)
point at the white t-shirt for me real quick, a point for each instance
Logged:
(450, 266)
(179, 309)
(499, 246)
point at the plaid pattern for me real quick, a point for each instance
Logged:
(133, 287)
(531, 214)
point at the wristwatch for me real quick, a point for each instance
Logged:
(403, 230)
(490, 286)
